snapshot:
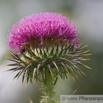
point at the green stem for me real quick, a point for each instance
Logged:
(48, 87)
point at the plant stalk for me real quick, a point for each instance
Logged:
(48, 88)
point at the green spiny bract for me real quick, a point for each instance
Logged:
(57, 60)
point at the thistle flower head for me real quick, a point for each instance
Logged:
(46, 44)
(42, 30)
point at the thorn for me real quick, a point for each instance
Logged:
(87, 54)
(75, 90)
(83, 73)
(87, 67)
(68, 45)
(69, 62)
(52, 75)
(56, 65)
(6, 57)
(73, 79)
(25, 78)
(50, 70)
(84, 59)
(80, 45)
(79, 73)
(80, 51)
(80, 57)
(34, 72)
(33, 80)
(86, 51)
(42, 100)
(30, 100)
(6, 71)
(77, 77)
(83, 46)
(26, 85)
(5, 65)
(38, 67)
(11, 72)
(11, 80)
(15, 81)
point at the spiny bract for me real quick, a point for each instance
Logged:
(45, 43)
(58, 60)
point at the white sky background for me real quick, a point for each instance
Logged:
(89, 13)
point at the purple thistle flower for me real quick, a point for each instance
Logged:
(41, 30)
(45, 43)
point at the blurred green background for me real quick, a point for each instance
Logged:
(88, 14)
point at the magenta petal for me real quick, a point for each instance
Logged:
(41, 29)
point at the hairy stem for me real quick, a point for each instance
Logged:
(48, 87)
